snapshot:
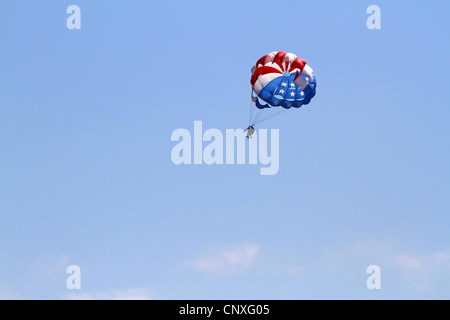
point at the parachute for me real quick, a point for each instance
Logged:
(280, 81)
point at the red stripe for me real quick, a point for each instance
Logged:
(262, 61)
(279, 58)
(261, 71)
(298, 64)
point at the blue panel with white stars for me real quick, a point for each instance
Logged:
(283, 92)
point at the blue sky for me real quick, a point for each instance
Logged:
(86, 176)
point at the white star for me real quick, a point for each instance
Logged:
(284, 84)
(281, 91)
(292, 94)
(292, 84)
(302, 94)
(306, 78)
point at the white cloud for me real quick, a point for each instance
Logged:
(422, 263)
(407, 262)
(350, 259)
(422, 271)
(126, 294)
(232, 260)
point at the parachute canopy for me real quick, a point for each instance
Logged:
(281, 79)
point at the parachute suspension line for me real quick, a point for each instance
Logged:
(265, 114)
(251, 114)
(271, 115)
(259, 113)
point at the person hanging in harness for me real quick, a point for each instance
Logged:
(250, 132)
